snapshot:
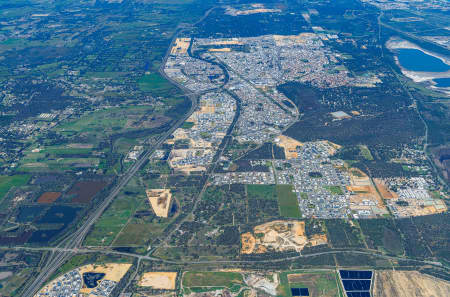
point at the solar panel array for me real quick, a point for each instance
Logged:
(356, 282)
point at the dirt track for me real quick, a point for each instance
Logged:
(408, 284)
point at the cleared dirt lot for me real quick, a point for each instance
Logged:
(49, 197)
(278, 236)
(160, 200)
(159, 280)
(289, 145)
(408, 284)
(384, 191)
(112, 271)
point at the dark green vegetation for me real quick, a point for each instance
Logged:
(387, 121)
(288, 21)
(382, 235)
(343, 233)
(337, 190)
(97, 75)
(87, 99)
(261, 192)
(383, 133)
(266, 151)
(17, 270)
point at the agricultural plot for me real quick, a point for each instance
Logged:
(154, 83)
(113, 220)
(318, 283)
(53, 223)
(267, 192)
(85, 191)
(287, 202)
(112, 120)
(211, 279)
(49, 197)
(8, 182)
(230, 283)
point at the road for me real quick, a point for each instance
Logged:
(182, 263)
(70, 244)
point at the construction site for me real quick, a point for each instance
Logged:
(279, 236)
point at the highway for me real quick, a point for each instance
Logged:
(70, 244)
(225, 261)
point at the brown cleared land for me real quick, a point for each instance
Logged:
(49, 197)
(160, 200)
(158, 280)
(384, 191)
(278, 236)
(408, 284)
(289, 145)
(181, 45)
(84, 191)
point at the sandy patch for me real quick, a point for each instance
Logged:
(178, 159)
(408, 284)
(289, 145)
(282, 40)
(358, 178)
(248, 243)
(5, 274)
(181, 46)
(160, 200)
(262, 282)
(224, 49)
(158, 280)
(207, 109)
(278, 236)
(384, 191)
(235, 12)
(112, 271)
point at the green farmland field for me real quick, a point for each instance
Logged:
(211, 279)
(7, 182)
(287, 202)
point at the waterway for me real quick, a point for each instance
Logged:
(442, 82)
(415, 60)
